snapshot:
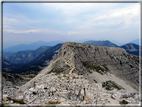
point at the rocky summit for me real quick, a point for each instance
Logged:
(82, 74)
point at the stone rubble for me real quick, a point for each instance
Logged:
(67, 89)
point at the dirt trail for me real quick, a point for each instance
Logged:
(70, 64)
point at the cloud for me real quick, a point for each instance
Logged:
(20, 31)
(73, 32)
(74, 20)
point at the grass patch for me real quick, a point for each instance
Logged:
(58, 69)
(105, 68)
(92, 67)
(123, 102)
(110, 85)
(76, 46)
(89, 46)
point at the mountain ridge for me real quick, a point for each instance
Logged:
(81, 74)
(109, 57)
(25, 56)
(32, 46)
(100, 43)
(131, 48)
(39, 62)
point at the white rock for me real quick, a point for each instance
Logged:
(114, 96)
(55, 98)
(5, 96)
(32, 89)
(40, 86)
(11, 101)
(19, 97)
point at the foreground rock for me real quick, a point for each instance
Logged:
(67, 89)
(82, 74)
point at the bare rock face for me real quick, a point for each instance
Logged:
(68, 89)
(83, 74)
(82, 59)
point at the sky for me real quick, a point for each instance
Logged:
(25, 23)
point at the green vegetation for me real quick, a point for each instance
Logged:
(92, 67)
(110, 85)
(76, 46)
(89, 46)
(57, 63)
(106, 68)
(123, 102)
(56, 68)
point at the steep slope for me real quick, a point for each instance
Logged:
(100, 43)
(45, 57)
(24, 56)
(84, 74)
(39, 62)
(131, 48)
(8, 66)
(84, 59)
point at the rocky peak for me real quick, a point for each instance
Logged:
(83, 59)
(84, 74)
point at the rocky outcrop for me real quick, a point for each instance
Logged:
(67, 89)
(83, 74)
(84, 59)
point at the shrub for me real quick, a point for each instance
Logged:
(86, 98)
(21, 101)
(109, 85)
(53, 102)
(123, 102)
(34, 93)
(67, 77)
(75, 77)
(92, 67)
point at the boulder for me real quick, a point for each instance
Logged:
(114, 96)
(62, 94)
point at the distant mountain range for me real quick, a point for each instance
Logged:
(37, 59)
(101, 43)
(24, 56)
(75, 73)
(135, 42)
(33, 46)
(131, 48)
(36, 64)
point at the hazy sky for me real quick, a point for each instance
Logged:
(30, 22)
